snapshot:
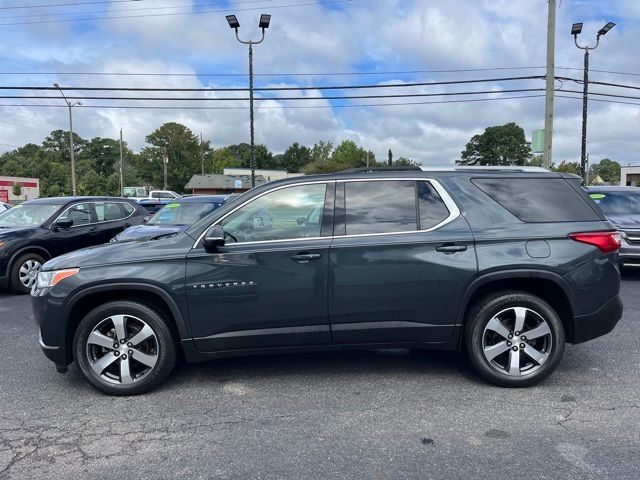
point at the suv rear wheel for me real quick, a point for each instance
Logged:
(514, 339)
(124, 348)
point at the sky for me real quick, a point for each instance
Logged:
(316, 43)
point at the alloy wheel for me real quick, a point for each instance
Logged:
(122, 349)
(28, 273)
(517, 341)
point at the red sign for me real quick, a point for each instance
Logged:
(4, 196)
(7, 183)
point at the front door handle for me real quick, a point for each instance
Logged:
(305, 257)
(451, 248)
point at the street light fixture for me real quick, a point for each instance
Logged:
(265, 20)
(576, 29)
(71, 152)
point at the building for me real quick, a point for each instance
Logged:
(630, 176)
(268, 175)
(220, 184)
(30, 189)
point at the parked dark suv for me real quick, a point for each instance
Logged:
(37, 230)
(508, 265)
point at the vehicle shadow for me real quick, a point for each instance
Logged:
(321, 365)
(630, 273)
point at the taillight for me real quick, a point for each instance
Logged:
(607, 242)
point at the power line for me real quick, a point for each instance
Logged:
(590, 93)
(218, 99)
(287, 107)
(599, 100)
(116, 17)
(157, 7)
(289, 74)
(66, 4)
(267, 89)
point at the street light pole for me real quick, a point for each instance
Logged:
(576, 29)
(71, 152)
(264, 23)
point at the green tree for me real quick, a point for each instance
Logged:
(295, 158)
(405, 162)
(180, 146)
(242, 153)
(17, 189)
(501, 145)
(217, 160)
(320, 158)
(609, 170)
(567, 167)
(390, 158)
(349, 155)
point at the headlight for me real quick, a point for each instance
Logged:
(53, 277)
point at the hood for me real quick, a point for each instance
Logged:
(124, 253)
(624, 221)
(16, 232)
(145, 232)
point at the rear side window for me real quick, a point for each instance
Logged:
(380, 207)
(538, 199)
(107, 212)
(128, 209)
(430, 205)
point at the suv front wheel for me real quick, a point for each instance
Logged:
(124, 348)
(514, 339)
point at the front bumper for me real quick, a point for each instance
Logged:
(601, 322)
(48, 315)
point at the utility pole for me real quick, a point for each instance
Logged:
(576, 29)
(165, 161)
(201, 154)
(548, 107)
(121, 167)
(74, 192)
(264, 23)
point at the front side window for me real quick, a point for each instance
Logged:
(107, 212)
(380, 207)
(288, 213)
(79, 214)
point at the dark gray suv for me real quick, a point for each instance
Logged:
(505, 264)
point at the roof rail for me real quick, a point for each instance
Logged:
(507, 168)
(408, 168)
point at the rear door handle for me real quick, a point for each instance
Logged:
(305, 257)
(450, 248)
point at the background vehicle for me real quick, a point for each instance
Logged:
(621, 205)
(37, 230)
(174, 217)
(158, 199)
(441, 259)
(4, 207)
(135, 193)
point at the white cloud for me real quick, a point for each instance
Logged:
(356, 36)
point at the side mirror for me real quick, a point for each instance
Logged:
(301, 220)
(214, 238)
(62, 224)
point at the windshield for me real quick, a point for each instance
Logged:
(27, 215)
(134, 191)
(617, 203)
(185, 213)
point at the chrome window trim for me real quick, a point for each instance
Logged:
(94, 206)
(454, 211)
(119, 219)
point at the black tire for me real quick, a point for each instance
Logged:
(475, 336)
(164, 349)
(15, 284)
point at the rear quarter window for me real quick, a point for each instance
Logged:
(535, 200)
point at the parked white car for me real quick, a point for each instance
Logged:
(4, 207)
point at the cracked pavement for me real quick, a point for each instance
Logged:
(389, 414)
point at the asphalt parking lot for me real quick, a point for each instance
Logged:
(391, 414)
